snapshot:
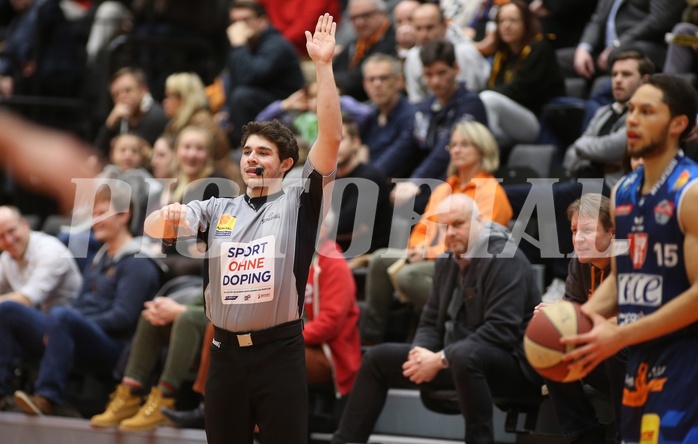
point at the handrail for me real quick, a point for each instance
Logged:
(168, 42)
(42, 101)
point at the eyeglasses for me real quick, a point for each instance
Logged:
(453, 146)
(363, 16)
(381, 78)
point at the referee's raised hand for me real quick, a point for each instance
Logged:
(321, 43)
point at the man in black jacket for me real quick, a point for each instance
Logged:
(263, 66)
(469, 336)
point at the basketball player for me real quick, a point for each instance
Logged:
(653, 286)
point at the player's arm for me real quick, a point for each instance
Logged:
(168, 222)
(320, 45)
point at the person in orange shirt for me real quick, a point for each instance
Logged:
(474, 157)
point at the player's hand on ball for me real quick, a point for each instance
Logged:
(593, 347)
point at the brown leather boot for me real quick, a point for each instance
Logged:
(34, 405)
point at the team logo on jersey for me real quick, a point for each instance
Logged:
(638, 249)
(624, 210)
(663, 212)
(682, 180)
(643, 387)
(271, 217)
(225, 225)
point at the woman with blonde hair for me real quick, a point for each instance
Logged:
(194, 159)
(186, 104)
(474, 157)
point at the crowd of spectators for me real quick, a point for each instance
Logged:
(435, 94)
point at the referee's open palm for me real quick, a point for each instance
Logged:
(321, 43)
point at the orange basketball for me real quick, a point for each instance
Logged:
(542, 339)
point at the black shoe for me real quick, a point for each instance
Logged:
(8, 404)
(186, 419)
(596, 435)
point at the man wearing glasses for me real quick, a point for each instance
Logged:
(374, 34)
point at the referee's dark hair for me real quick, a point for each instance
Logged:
(277, 133)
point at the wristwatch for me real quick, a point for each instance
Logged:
(444, 361)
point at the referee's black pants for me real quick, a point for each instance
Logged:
(261, 384)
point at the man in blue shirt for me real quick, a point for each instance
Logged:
(450, 102)
(101, 320)
(389, 127)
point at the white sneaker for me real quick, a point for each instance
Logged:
(555, 291)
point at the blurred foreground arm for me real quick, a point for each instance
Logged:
(43, 160)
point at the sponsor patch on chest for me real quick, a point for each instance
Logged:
(640, 289)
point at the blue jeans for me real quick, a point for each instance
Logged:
(22, 331)
(71, 338)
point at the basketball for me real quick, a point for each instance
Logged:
(542, 340)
